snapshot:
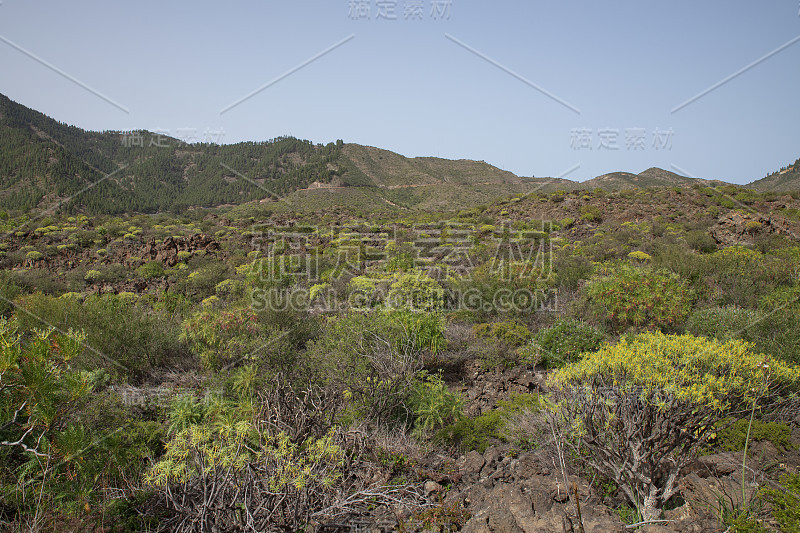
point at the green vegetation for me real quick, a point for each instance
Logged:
(332, 353)
(562, 343)
(626, 297)
(785, 503)
(497, 425)
(127, 338)
(733, 437)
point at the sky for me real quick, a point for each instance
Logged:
(573, 89)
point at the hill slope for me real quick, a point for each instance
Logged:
(44, 163)
(786, 179)
(47, 164)
(652, 177)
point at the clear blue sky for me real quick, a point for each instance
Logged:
(404, 85)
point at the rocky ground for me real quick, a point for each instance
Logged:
(504, 490)
(509, 493)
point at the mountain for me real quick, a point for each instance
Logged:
(46, 164)
(652, 177)
(785, 179)
(432, 183)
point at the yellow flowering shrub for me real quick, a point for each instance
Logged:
(638, 411)
(688, 368)
(200, 449)
(212, 471)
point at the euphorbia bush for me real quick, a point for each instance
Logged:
(373, 357)
(639, 411)
(233, 337)
(562, 343)
(626, 296)
(416, 292)
(741, 276)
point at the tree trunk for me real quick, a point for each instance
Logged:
(650, 508)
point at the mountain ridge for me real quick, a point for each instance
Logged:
(48, 164)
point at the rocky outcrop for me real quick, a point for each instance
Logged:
(508, 494)
(484, 388)
(167, 251)
(738, 229)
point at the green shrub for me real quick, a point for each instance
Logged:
(432, 404)
(372, 358)
(639, 256)
(591, 213)
(151, 269)
(701, 241)
(185, 410)
(229, 289)
(267, 273)
(41, 394)
(625, 297)
(202, 282)
(775, 331)
(473, 433)
(425, 330)
(785, 503)
(363, 292)
(781, 298)
(289, 478)
(105, 445)
(38, 279)
(779, 336)
(723, 322)
(500, 288)
(732, 437)
(84, 238)
(318, 290)
(677, 257)
(562, 343)
(743, 276)
(509, 332)
(416, 292)
(493, 426)
(108, 274)
(571, 270)
(126, 338)
(8, 291)
(228, 338)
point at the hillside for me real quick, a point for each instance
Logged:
(426, 183)
(786, 179)
(652, 177)
(46, 164)
(390, 170)
(415, 349)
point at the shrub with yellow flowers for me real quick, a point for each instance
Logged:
(638, 411)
